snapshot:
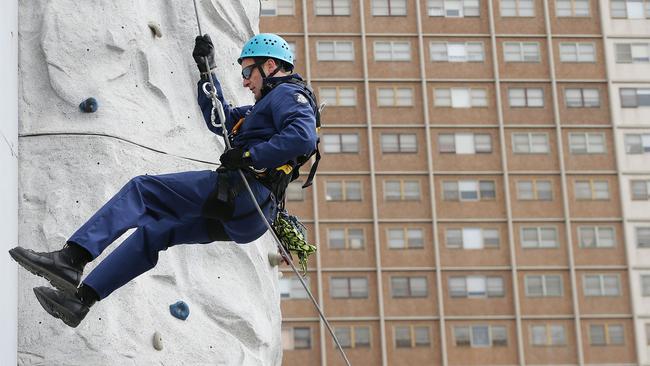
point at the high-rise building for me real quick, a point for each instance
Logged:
(483, 196)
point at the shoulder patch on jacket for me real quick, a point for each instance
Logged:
(300, 98)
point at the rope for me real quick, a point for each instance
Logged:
(222, 117)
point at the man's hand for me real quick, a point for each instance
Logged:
(236, 158)
(203, 47)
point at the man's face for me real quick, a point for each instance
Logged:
(254, 82)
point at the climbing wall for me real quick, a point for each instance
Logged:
(134, 58)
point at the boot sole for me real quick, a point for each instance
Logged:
(54, 280)
(56, 310)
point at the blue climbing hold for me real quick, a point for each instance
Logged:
(89, 105)
(179, 310)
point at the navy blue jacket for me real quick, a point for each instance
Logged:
(279, 127)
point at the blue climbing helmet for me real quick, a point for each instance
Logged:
(267, 45)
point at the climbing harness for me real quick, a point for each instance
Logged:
(222, 118)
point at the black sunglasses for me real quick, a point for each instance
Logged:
(247, 71)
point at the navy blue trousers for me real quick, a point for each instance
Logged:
(165, 209)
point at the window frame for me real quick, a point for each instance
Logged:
(539, 239)
(344, 190)
(400, 149)
(404, 197)
(395, 90)
(545, 286)
(336, 53)
(347, 237)
(597, 239)
(338, 97)
(527, 98)
(573, 9)
(333, 8)
(406, 239)
(521, 58)
(349, 287)
(391, 48)
(388, 4)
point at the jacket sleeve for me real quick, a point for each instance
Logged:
(233, 114)
(296, 122)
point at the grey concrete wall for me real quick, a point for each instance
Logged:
(8, 177)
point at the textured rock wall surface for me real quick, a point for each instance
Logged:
(147, 123)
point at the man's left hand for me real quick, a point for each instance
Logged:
(236, 158)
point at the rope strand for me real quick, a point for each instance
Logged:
(217, 105)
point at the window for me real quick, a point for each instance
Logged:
(349, 287)
(632, 53)
(521, 52)
(572, 8)
(476, 286)
(460, 97)
(645, 285)
(336, 143)
(606, 334)
(353, 337)
(530, 143)
(392, 51)
(277, 7)
(596, 236)
(637, 143)
(295, 191)
(634, 97)
(296, 338)
(472, 238)
(408, 287)
(348, 190)
(388, 7)
(534, 190)
(395, 97)
(291, 288)
(402, 190)
(468, 190)
(456, 51)
(601, 285)
(630, 9)
(405, 238)
(581, 98)
(338, 96)
(517, 8)
(592, 190)
(480, 336)
(412, 336)
(526, 97)
(543, 285)
(640, 189)
(587, 143)
(539, 237)
(643, 236)
(335, 51)
(398, 143)
(349, 238)
(453, 8)
(577, 52)
(542, 335)
(332, 7)
(465, 143)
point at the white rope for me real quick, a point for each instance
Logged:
(222, 117)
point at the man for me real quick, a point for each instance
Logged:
(191, 207)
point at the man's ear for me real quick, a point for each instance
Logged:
(271, 64)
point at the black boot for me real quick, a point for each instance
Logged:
(63, 268)
(70, 308)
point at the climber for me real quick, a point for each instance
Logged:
(196, 206)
